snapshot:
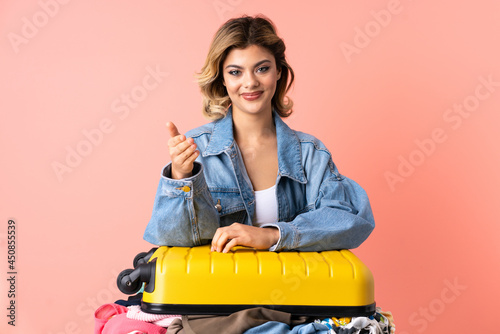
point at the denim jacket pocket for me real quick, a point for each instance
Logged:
(229, 204)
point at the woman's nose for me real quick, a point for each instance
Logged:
(250, 80)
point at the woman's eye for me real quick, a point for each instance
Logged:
(234, 72)
(263, 69)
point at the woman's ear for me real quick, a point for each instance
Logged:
(279, 74)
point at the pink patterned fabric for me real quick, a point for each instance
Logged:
(104, 313)
(120, 324)
(163, 320)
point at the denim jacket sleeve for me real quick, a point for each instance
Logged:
(183, 212)
(339, 215)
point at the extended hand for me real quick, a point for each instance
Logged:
(182, 152)
(227, 237)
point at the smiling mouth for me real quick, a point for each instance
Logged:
(251, 96)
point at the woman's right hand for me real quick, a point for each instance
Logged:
(182, 151)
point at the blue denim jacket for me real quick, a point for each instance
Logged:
(318, 208)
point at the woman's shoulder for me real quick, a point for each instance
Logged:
(314, 153)
(308, 140)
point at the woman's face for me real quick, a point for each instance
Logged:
(250, 77)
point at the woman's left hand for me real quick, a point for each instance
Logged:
(236, 234)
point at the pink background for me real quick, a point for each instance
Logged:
(383, 106)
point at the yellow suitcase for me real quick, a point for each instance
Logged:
(194, 280)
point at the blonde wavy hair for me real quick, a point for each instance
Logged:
(240, 33)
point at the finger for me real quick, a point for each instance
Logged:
(230, 245)
(215, 238)
(192, 158)
(179, 146)
(223, 239)
(185, 158)
(213, 248)
(172, 129)
(176, 140)
(179, 143)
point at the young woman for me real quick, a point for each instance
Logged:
(246, 178)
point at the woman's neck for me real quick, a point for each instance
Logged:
(250, 128)
(255, 135)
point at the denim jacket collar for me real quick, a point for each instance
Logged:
(289, 152)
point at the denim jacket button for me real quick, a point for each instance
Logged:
(218, 207)
(186, 189)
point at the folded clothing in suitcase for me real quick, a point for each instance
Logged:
(195, 280)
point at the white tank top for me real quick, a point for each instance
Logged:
(266, 206)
